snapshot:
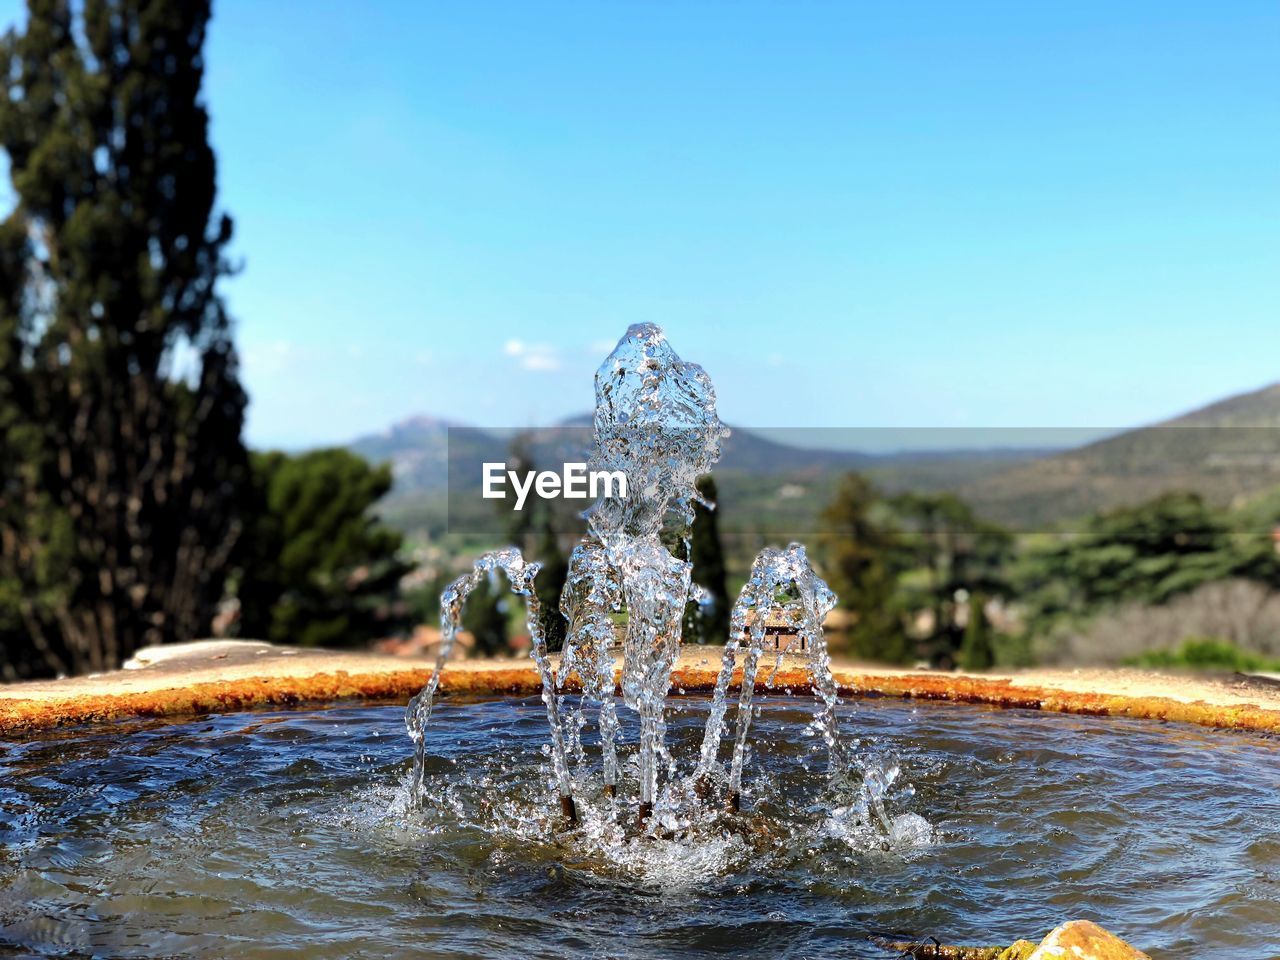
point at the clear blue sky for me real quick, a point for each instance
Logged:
(889, 213)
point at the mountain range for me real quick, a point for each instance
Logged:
(1227, 451)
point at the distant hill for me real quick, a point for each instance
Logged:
(1227, 451)
(1258, 408)
(416, 448)
(766, 487)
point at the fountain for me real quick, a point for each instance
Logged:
(743, 824)
(656, 423)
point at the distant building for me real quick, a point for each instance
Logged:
(781, 631)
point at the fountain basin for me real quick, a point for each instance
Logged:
(258, 833)
(220, 678)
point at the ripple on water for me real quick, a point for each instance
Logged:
(259, 834)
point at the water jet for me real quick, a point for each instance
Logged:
(656, 430)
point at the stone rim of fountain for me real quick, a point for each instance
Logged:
(221, 676)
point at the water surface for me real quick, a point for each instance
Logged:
(281, 834)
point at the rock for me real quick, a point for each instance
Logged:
(1076, 940)
(1018, 951)
(1082, 940)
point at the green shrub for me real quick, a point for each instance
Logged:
(1206, 653)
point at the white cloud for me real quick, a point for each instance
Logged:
(539, 357)
(545, 362)
(269, 358)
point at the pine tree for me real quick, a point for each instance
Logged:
(121, 464)
(315, 565)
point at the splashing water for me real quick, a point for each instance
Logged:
(656, 423)
(783, 588)
(591, 597)
(521, 576)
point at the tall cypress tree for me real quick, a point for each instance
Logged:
(863, 558)
(121, 409)
(706, 553)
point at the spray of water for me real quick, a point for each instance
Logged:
(656, 423)
(520, 575)
(591, 599)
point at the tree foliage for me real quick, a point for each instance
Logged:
(960, 556)
(707, 623)
(892, 558)
(317, 568)
(862, 559)
(535, 529)
(976, 650)
(1147, 553)
(121, 464)
(550, 582)
(486, 615)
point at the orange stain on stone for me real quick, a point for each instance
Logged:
(18, 715)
